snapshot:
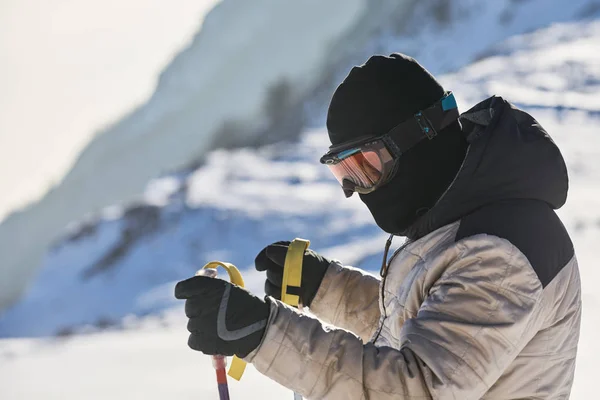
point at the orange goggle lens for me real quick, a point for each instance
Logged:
(362, 169)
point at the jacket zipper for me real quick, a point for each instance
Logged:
(383, 272)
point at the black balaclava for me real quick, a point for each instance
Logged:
(374, 98)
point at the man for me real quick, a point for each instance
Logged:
(482, 300)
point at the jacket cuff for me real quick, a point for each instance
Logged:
(267, 339)
(295, 349)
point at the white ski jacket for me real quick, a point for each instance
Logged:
(487, 306)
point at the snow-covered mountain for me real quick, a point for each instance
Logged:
(242, 199)
(223, 77)
(115, 270)
(256, 74)
(68, 68)
(125, 263)
(247, 57)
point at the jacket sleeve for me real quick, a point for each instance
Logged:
(348, 298)
(477, 317)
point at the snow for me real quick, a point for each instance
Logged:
(464, 30)
(147, 357)
(216, 85)
(149, 363)
(203, 87)
(228, 209)
(243, 199)
(68, 69)
(222, 76)
(160, 190)
(201, 94)
(567, 73)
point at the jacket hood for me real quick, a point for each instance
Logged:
(510, 157)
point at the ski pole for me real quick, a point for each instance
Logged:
(292, 277)
(220, 362)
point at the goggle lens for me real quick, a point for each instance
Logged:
(365, 168)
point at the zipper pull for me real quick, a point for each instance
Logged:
(384, 263)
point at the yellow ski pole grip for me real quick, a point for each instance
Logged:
(238, 366)
(292, 272)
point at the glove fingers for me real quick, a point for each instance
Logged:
(275, 276)
(276, 253)
(207, 344)
(195, 326)
(199, 286)
(272, 290)
(262, 262)
(196, 308)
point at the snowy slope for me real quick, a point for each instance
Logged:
(255, 197)
(243, 199)
(150, 363)
(254, 72)
(222, 76)
(280, 192)
(70, 67)
(441, 45)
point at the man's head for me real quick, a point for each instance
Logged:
(376, 98)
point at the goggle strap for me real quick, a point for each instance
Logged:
(421, 126)
(424, 124)
(406, 135)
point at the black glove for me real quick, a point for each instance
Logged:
(224, 318)
(272, 259)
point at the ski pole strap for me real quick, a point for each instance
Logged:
(292, 272)
(292, 277)
(290, 291)
(238, 366)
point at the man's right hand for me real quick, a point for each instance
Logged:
(272, 259)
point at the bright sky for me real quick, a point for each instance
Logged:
(67, 68)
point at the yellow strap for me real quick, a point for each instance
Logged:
(292, 276)
(238, 366)
(292, 271)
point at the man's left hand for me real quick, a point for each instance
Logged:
(223, 318)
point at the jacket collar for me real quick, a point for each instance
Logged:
(510, 156)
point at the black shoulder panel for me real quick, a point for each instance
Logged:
(531, 226)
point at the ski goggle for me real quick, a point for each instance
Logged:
(367, 163)
(364, 168)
